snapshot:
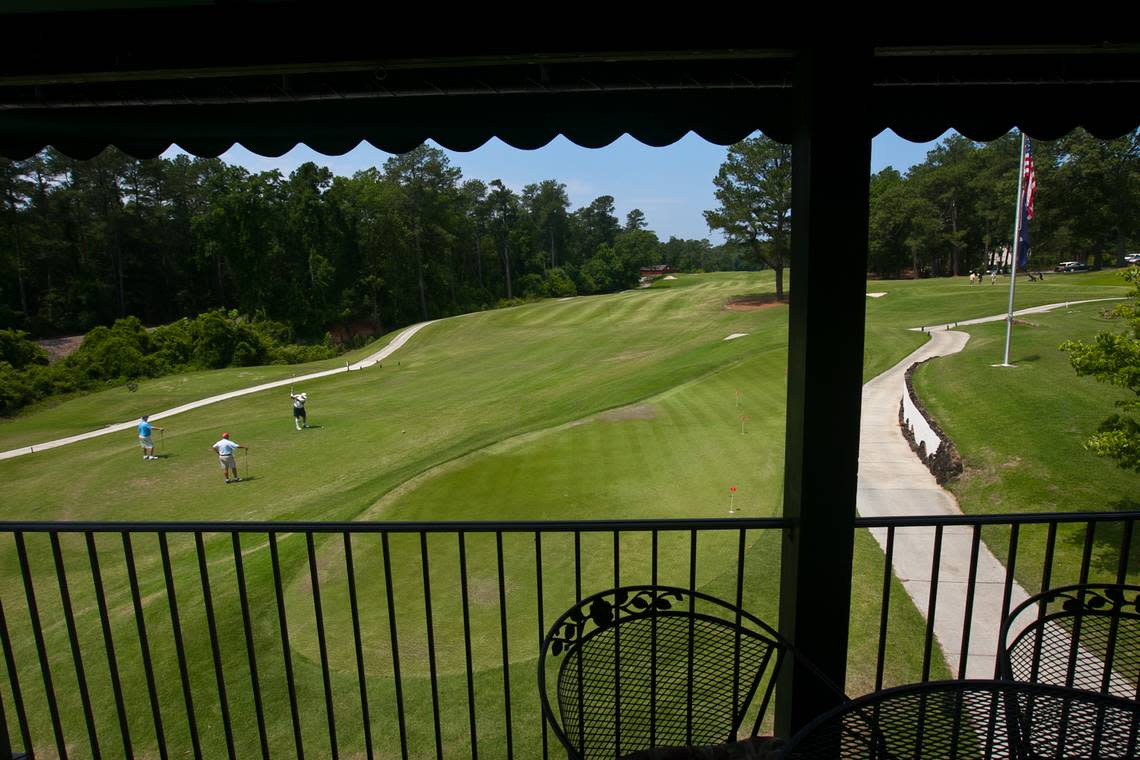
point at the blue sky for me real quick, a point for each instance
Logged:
(672, 185)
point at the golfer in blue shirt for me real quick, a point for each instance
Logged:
(225, 449)
(145, 440)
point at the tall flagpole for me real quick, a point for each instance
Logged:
(1016, 252)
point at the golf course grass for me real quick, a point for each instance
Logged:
(624, 406)
(1019, 432)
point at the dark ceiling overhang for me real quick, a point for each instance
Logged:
(272, 77)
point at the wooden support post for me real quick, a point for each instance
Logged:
(830, 183)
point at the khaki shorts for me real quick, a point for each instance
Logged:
(146, 442)
(228, 461)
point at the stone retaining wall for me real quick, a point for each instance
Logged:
(925, 437)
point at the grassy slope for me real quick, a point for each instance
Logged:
(1020, 432)
(465, 391)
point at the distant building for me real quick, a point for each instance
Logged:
(657, 270)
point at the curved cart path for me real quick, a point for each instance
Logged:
(395, 344)
(893, 482)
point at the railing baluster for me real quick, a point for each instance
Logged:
(506, 658)
(14, 679)
(365, 716)
(41, 650)
(251, 656)
(108, 643)
(692, 623)
(888, 573)
(464, 593)
(5, 740)
(578, 655)
(968, 613)
(286, 651)
(144, 644)
(932, 604)
(395, 646)
(315, 581)
(617, 651)
(737, 708)
(1075, 635)
(73, 639)
(215, 650)
(431, 645)
(541, 636)
(653, 652)
(1125, 552)
(1086, 555)
(1046, 579)
(180, 650)
(1007, 593)
(1047, 565)
(319, 617)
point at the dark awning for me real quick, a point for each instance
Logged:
(272, 76)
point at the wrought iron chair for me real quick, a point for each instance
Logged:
(645, 667)
(968, 720)
(1084, 636)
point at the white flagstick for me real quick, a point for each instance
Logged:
(1016, 252)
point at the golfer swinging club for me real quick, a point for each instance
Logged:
(299, 418)
(226, 448)
(145, 441)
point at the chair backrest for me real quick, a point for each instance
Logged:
(1084, 637)
(641, 667)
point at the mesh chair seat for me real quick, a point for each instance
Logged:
(1085, 637)
(974, 719)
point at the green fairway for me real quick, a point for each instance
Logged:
(621, 406)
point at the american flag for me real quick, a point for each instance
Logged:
(1029, 178)
(1029, 187)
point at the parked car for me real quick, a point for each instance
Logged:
(1132, 258)
(1071, 266)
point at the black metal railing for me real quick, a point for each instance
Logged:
(411, 639)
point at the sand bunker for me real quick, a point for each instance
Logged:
(734, 336)
(754, 302)
(875, 295)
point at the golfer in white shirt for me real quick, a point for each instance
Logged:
(226, 449)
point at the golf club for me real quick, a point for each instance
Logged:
(162, 440)
(247, 464)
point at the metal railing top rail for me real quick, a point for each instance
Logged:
(1023, 518)
(443, 526)
(528, 526)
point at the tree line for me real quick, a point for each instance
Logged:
(954, 212)
(83, 243)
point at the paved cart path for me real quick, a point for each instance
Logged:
(393, 346)
(893, 482)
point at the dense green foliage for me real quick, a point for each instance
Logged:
(954, 212)
(1114, 358)
(83, 243)
(127, 351)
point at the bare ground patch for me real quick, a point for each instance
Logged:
(755, 302)
(631, 412)
(57, 348)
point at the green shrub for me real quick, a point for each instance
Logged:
(19, 351)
